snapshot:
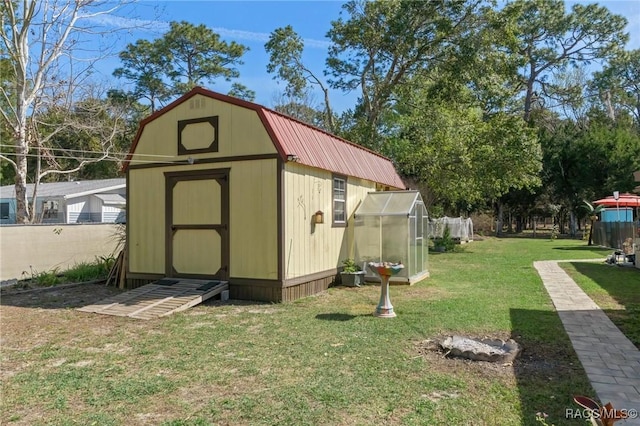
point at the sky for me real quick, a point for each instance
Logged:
(251, 22)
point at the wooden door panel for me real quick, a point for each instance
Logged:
(197, 251)
(197, 202)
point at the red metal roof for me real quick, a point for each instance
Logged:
(312, 146)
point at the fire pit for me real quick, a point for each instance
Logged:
(385, 270)
(491, 350)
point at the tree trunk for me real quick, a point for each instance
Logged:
(528, 99)
(500, 219)
(22, 149)
(572, 224)
(328, 113)
(590, 243)
(607, 101)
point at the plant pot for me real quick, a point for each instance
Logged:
(352, 279)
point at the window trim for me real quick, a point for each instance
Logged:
(334, 223)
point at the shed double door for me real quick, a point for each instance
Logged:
(197, 222)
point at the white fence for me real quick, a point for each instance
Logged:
(29, 249)
(459, 228)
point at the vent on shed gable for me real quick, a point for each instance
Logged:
(197, 103)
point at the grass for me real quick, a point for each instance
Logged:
(615, 290)
(319, 360)
(81, 272)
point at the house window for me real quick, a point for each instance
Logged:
(339, 201)
(50, 209)
(4, 210)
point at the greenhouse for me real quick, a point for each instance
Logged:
(391, 226)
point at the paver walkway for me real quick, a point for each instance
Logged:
(611, 361)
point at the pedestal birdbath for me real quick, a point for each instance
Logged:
(385, 270)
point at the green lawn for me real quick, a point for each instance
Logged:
(319, 360)
(615, 289)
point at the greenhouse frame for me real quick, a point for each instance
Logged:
(392, 226)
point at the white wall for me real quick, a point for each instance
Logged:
(42, 248)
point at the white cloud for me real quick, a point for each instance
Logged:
(121, 22)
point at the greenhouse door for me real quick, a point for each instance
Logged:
(197, 218)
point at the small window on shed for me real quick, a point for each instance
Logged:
(339, 201)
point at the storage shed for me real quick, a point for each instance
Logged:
(222, 188)
(392, 227)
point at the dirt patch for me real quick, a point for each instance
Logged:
(533, 360)
(431, 350)
(58, 297)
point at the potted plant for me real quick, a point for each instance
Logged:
(352, 275)
(444, 243)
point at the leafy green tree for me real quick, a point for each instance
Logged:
(548, 40)
(241, 91)
(587, 162)
(379, 45)
(461, 154)
(143, 66)
(618, 84)
(184, 57)
(285, 49)
(197, 54)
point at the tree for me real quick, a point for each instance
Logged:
(381, 44)
(285, 49)
(196, 55)
(548, 40)
(143, 66)
(184, 57)
(37, 37)
(584, 162)
(618, 84)
(241, 91)
(302, 108)
(461, 154)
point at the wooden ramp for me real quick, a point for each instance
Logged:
(158, 299)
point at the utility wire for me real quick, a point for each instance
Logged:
(92, 158)
(91, 152)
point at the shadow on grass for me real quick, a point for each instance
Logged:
(547, 371)
(336, 317)
(595, 249)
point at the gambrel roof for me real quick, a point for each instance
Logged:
(310, 146)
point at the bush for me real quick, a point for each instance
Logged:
(445, 241)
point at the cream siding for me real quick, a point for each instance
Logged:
(310, 248)
(253, 227)
(254, 219)
(240, 132)
(146, 220)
